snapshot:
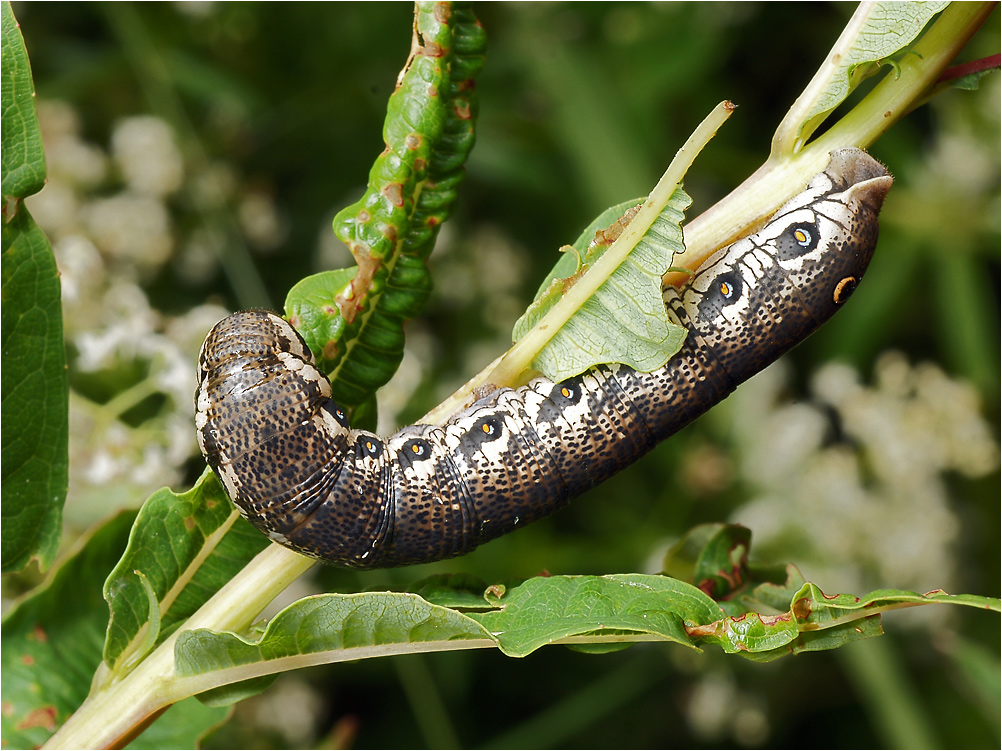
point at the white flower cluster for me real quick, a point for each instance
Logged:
(132, 367)
(870, 507)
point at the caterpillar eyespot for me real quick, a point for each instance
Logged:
(370, 447)
(414, 453)
(284, 452)
(724, 292)
(490, 427)
(336, 412)
(799, 239)
(844, 289)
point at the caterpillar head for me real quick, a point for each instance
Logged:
(791, 276)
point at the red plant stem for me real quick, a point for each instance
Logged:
(964, 69)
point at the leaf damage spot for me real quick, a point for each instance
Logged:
(395, 193)
(43, 717)
(802, 608)
(443, 12)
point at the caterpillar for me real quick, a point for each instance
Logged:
(287, 457)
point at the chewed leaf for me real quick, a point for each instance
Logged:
(412, 190)
(457, 591)
(814, 609)
(625, 320)
(876, 33)
(611, 311)
(573, 257)
(816, 621)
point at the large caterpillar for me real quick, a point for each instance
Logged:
(292, 465)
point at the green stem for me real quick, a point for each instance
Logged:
(112, 713)
(784, 175)
(519, 358)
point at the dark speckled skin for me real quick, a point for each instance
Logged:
(289, 461)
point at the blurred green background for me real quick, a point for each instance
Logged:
(197, 154)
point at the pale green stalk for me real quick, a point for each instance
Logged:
(111, 713)
(784, 174)
(519, 358)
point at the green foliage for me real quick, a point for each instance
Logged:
(52, 640)
(34, 392)
(604, 330)
(23, 160)
(183, 549)
(871, 48)
(573, 124)
(412, 190)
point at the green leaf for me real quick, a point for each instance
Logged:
(816, 621)
(570, 262)
(721, 565)
(183, 548)
(457, 591)
(183, 725)
(323, 629)
(547, 609)
(311, 306)
(972, 81)
(34, 427)
(817, 641)
(23, 159)
(412, 191)
(52, 640)
(34, 399)
(625, 320)
(876, 33)
(814, 609)
(770, 610)
(772, 588)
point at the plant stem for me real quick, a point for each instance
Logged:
(780, 178)
(519, 358)
(110, 714)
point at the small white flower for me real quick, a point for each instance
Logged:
(131, 227)
(146, 153)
